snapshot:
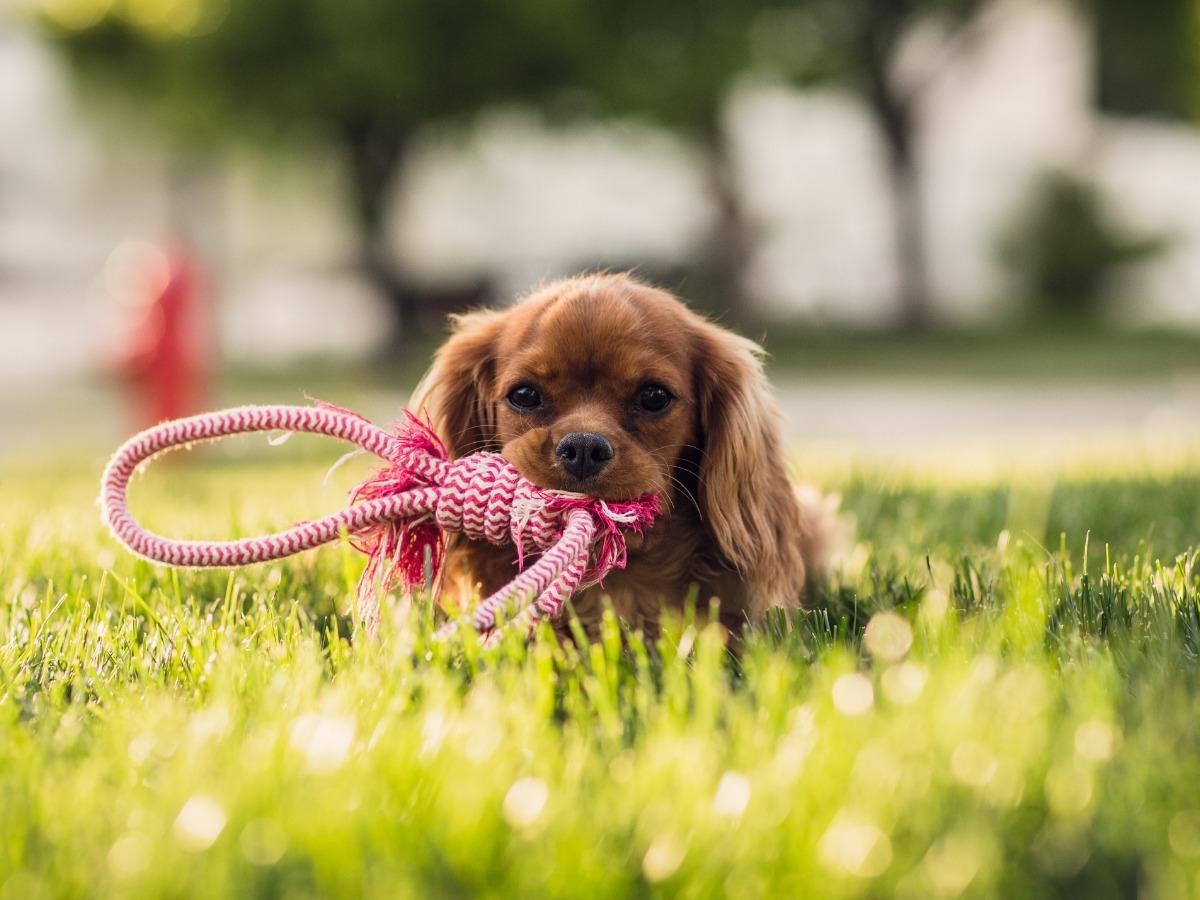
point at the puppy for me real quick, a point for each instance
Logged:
(607, 386)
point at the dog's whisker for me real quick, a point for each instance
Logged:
(683, 489)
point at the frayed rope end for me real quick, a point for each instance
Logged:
(405, 552)
(615, 519)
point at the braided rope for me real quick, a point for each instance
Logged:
(399, 516)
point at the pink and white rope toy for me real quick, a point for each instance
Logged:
(400, 516)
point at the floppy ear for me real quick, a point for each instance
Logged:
(746, 498)
(454, 394)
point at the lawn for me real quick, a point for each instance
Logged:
(996, 698)
(1067, 351)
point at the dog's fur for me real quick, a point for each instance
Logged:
(732, 525)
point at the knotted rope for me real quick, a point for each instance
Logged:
(400, 515)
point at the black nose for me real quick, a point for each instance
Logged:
(584, 454)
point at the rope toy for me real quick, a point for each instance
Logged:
(399, 517)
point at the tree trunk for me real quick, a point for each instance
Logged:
(729, 249)
(377, 153)
(894, 115)
(908, 218)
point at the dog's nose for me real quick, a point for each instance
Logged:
(584, 454)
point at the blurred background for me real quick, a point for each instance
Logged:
(954, 224)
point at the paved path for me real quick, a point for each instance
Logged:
(872, 411)
(1002, 421)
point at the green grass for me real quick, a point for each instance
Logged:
(1033, 351)
(1021, 719)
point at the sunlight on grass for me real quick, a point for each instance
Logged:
(972, 707)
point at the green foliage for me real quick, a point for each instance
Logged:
(399, 65)
(672, 61)
(850, 41)
(956, 715)
(305, 63)
(1147, 63)
(1066, 246)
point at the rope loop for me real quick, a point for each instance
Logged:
(399, 517)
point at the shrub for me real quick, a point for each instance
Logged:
(1063, 248)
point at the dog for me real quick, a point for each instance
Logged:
(607, 386)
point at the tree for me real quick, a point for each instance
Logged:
(366, 73)
(856, 42)
(1067, 244)
(371, 73)
(674, 62)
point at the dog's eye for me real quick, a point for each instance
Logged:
(654, 398)
(525, 397)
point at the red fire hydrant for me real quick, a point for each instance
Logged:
(164, 351)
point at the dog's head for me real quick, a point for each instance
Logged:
(609, 387)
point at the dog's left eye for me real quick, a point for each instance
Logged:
(654, 398)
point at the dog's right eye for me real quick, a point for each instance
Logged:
(525, 397)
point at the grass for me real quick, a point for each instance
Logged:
(1024, 352)
(998, 698)
(1032, 351)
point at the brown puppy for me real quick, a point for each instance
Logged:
(604, 385)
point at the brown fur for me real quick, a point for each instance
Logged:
(732, 526)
